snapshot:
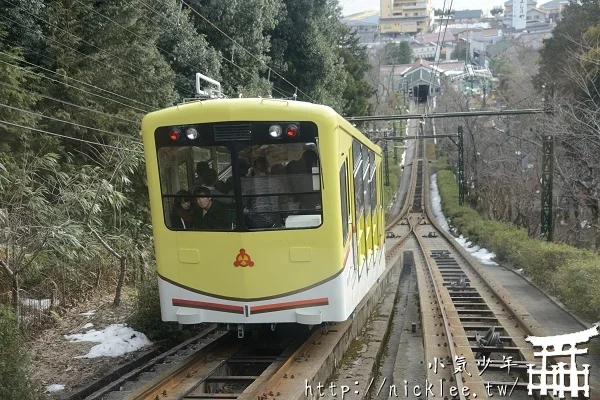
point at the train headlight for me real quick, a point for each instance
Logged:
(174, 134)
(291, 131)
(192, 133)
(275, 131)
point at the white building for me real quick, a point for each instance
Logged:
(525, 11)
(424, 50)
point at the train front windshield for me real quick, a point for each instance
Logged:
(240, 177)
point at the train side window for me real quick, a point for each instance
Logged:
(373, 180)
(358, 181)
(209, 202)
(366, 179)
(359, 202)
(344, 197)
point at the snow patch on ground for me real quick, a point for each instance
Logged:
(54, 388)
(88, 314)
(88, 325)
(436, 204)
(115, 340)
(483, 255)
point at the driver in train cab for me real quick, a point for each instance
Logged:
(212, 214)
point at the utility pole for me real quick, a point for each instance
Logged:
(547, 174)
(547, 186)
(461, 168)
(395, 149)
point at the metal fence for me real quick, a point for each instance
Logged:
(33, 313)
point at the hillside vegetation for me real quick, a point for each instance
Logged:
(569, 273)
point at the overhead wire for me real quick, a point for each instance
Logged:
(78, 81)
(439, 44)
(279, 90)
(69, 137)
(131, 32)
(165, 18)
(84, 55)
(90, 85)
(243, 48)
(68, 103)
(72, 123)
(68, 85)
(134, 67)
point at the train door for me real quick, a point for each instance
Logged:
(368, 215)
(374, 209)
(359, 220)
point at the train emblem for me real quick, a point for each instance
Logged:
(243, 259)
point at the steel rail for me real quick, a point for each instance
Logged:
(526, 325)
(447, 329)
(413, 181)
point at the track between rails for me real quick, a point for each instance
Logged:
(470, 323)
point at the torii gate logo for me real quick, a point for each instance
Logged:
(562, 369)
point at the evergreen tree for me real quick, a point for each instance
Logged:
(358, 90)
(569, 32)
(17, 102)
(23, 24)
(248, 22)
(398, 53)
(306, 51)
(497, 11)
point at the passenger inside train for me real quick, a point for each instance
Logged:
(182, 215)
(211, 214)
(279, 186)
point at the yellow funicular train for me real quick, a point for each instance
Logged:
(263, 211)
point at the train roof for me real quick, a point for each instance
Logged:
(238, 109)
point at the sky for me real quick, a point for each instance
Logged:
(355, 6)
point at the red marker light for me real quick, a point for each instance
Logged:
(291, 131)
(174, 135)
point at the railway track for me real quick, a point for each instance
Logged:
(469, 330)
(465, 322)
(474, 332)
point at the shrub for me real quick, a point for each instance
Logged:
(14, 383)
(572, 274)
(147, 317)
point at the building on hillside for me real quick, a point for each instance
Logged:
(419, 80)
(526, 13)
(444, 36)
(468, 16)
(405, 16)
(365, 24)
(424, 42)
(554, 9)
(424, 50)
